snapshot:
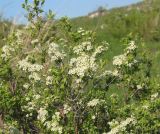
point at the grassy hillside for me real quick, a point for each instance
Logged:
(141, 19)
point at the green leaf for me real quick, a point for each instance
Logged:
(43, 1)
(26, 1)
(23, 5)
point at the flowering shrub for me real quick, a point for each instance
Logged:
(54, 80)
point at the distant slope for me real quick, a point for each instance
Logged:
(142, 18)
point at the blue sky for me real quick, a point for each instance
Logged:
(70, 8)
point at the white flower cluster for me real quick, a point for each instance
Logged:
(66, 108)
(84, 46)
(81, 65)
(30, 105)
(113, 73)
(19, 34)
(49, 80)
(99, 50)
(94, 102)
(36, 97)
(42, 114)
(130, 64)
(123, 58)
(26, 66)
(84, 64)
(113, 123)
(82, 31)
(31, 68)
(54, 52)
(53, 125)
(119, 60)
(131, 48)
(120, 127)
(6, 52)
(34, 76)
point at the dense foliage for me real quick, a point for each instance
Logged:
(54, 79)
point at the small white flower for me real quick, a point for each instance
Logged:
(57, 114)
(66, 108)
(49, 80)
(26, 85)
(78, 81)
(93, 117)
(80, 30)
(93, 102)
(154, 96)
(113, 123)
(99, 50)
(27, 98)
(139, 87)
(114, 73)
